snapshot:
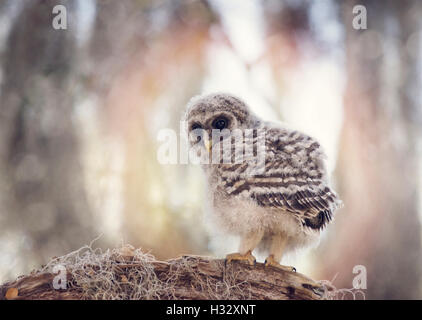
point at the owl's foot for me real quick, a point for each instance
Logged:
(271, 262)
(239, 257)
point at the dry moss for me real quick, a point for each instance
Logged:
(128, 273)
(122, 273)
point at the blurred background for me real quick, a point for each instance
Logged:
(81, 109)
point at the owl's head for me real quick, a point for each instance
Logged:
(218, 111)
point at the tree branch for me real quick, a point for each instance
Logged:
(127, 273)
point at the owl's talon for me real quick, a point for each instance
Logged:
(239, 257)
(271, 262)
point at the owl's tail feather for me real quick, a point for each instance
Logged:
(319, 221)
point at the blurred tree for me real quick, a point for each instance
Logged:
(377, 167)
(168, 73)
(44, 206)
(148, 59)
(287, 26)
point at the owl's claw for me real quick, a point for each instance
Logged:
(239, 257)
(271, 262)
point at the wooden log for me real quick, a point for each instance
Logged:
(187, 277)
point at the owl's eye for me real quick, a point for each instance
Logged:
(195, 126)
(220, 123)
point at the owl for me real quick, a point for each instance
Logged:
(267, 184)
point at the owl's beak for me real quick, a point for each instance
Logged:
(208, 145)
(207, 142)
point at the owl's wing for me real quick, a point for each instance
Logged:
(294, 179)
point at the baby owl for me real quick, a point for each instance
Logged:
(275, 196)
